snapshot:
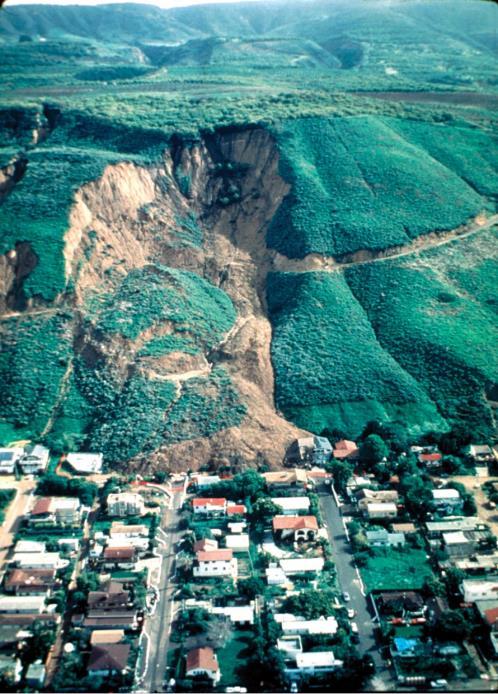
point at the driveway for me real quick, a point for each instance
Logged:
(350, 581)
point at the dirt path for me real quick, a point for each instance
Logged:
(16, 510)
(325, 263)
(470, 482)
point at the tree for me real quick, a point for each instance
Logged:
(40, 642)
(341, 471)
(373, 450)
(251, 587)
(311, 604)
(262, 510)
(160, 476)
(452, 625)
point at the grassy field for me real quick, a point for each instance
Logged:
(390, 569)
(234, 656)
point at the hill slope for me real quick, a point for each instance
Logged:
(211, 241)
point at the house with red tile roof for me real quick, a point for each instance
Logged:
(296, 527)
(345, 450)
(202, 662)
(213, 506)
(236, 509)
(108, 658)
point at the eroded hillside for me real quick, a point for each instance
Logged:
(175, 325)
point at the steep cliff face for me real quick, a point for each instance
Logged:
(203, 209)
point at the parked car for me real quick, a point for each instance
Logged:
(346, 596)
(351, 613)
(439, 684)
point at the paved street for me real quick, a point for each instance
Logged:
(350, 582)
(157, 626)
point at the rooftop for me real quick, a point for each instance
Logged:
(445, 493)
(295, 523)
(109, 657)
(86, 463)
(292, 503)
(202, 659)
(215, 555)
(211, 501)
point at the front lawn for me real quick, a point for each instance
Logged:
(391, 569)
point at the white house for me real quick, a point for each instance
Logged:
(446, 498)
(203, 481)
(55, 510)
(125, 504)
(203, 662)
(210, 506)
(238, 542)
(219, 562)
(29, 546)
(300, 566)
(316, 662)
(477, 589)
(291, 505)
(292, 625)
(39, 560)
(380, 509)
(25, 604)
(243, 614)
(8, 459)
(86, 463)
(275, 576)
(35, 459)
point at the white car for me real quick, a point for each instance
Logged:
(346, 596)
(351, 614)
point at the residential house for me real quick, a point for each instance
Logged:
(406, 528)
(292, 625)
(238, 614)
(312, 450)
(275, 575)
(236, 509)
(219, 562)
(302, 565)
(481, 454)
(212, 506)
(109, 600)
(292, 505)
(290, 646)
(459, 544)
(488, 610)
(407, 604)
(123, 557)
(39, 560)
(105, 620)
(205, 545)
(8, 459)
(50, 511)
(365, 496)
(238, 542)
(237, 527)
(35, 460)
(30, 582)
(477, 563)
(297, 528)
(121, 530)
(202, 662)
(35, 675)
(447, 500)
(109, 658)
(205, 481)
(480, 589)
(29, 546)
(286, 479)
(107, 636)
(380, 537)
(314, 663)
(141, 544)
(405, 648)
(435, 529)
(346, 450)
(376, 510)
(26, 604)
(85, 463)
(124, 504)
(69, 544)
(431, 461)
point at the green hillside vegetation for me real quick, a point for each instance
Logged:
(357, 184)
(34, 356)
(423, 314)
(154, 295)
(329, 367)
